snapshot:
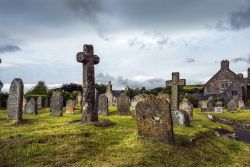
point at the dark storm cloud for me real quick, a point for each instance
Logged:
(240, 19)
(9, 48)
(242, 59)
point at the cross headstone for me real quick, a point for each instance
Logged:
(56, 104)
(88, 59)
(175, 83)
(15, 101)
(123, 104)
(31, 107)
(154, 119)
(103, 104)
(39, 102)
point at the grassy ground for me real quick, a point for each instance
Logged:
(189, 87)
(44, 140)
(241, 116)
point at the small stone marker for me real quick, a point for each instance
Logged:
(232, 105)
(56, 104)
(39, 102)
(70, 106)
(103, 104)
(88, 60)
(31, 106)
(123, 104)
(179, 117)
(185, 105)
(241, 105)
(136, 100)
(154, 119)
(218, 107)
(79, 99)
(15, 101)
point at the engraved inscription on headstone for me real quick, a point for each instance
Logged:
(103, 104)
(56, 104)
(15, 101)
(218, 107)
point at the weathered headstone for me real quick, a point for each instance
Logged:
(56, 104)
(24, 102)
(31, 107)
(79, 99)
(164, 96)
(185, 105)
(46, 102)
(136, 100)
(210, 106)
(179, 117)
(241, 105)
(39, 102)
(154, 119)
(103, 104)
(204, 105)
(70, 106)
(15, 101)
(88, 60)
(123, 104)
(232, 105)
(218, 107)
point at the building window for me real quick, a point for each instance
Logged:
(224, 85)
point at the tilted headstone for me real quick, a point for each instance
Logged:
(56, 104)
(103, 104)
(70, 106)
(88, 60)
(154, 119)
(232, 105)
(15, 101)
(218, 107)
(241, 105)
(39, 102)
(31, 107)
(164, 96)
(123, 104)
(179, 117)
(136, 100)
(204, 105)
(185, 105)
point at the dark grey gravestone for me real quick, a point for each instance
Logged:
(15, 101)
(154, 119)
(39, 102)
(232, 105)
(56, 104)
(31, 107)
(103, 104)
(46, 102)
(88, 60)
(123, 104)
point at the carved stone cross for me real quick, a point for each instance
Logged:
(174, 83)
(88, 59)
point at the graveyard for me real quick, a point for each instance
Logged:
(112, 83)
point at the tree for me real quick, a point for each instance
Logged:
(71, 87)
(1, 85)
(101, 88)
(130, 92)
(39, 89)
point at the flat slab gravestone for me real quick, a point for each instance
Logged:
(31, 107)
(232, 105)
(15, 101)
(103, 104)
(185, 105)
(56, 104)
(123, 104)
(154, 119)
(70, 106)
(39, 102)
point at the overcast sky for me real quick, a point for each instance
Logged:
(139, 42)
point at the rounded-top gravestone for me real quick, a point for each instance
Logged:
(232, 105)
(31, 107)
(56, 104)
(136, 100)
(123, 104)
(70, 106)
(103, 104)
(15, 101)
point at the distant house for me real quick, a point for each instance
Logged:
(112, 95)
(227, 84)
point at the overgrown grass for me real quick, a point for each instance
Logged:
(189, 87)
(43, 140)
(242, 116)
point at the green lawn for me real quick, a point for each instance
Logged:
(241, 116)
(43, 140)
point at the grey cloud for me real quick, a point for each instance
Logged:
(242, 59)
(136, 42)
(240, 19)
(9, 48)
(162, 41)
(189, 60)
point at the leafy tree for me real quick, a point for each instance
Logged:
(130, 92)
(71, 87)
(39, 89)
(101, 88)
(1, 85)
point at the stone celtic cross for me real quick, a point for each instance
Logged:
(175, 83)
(88, 59)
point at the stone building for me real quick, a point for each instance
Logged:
(227, 84)
(112, 95)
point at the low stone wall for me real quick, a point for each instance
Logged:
(231, 123)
